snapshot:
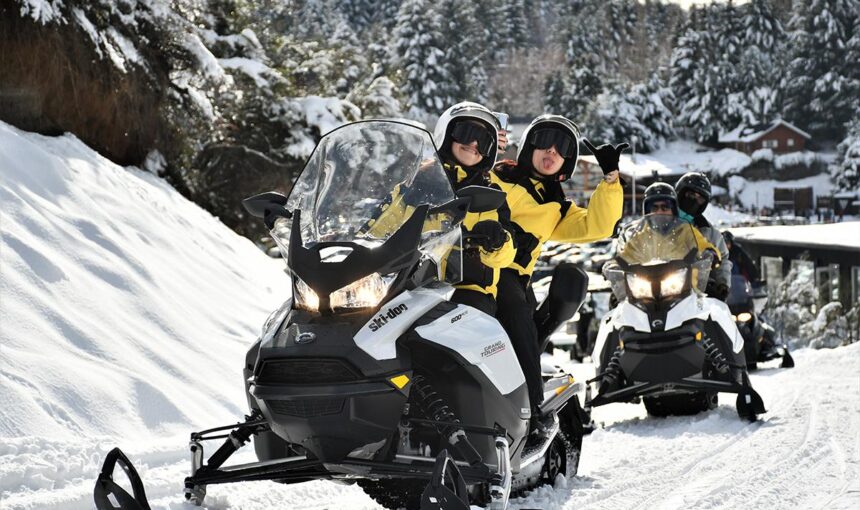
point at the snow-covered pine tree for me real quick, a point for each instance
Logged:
(417, 52)
(760, 66)
(466, 52)
(845, 171)
(819, 85)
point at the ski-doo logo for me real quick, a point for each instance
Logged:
(383, 318)
(657, 324)
(457, 317)
(493, 348)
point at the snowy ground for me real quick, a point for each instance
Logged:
(126, 310)
(804, 453)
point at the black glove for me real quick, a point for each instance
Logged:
(488, 234)
(717, 290)
(607, 155)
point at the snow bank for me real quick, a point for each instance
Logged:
(126, 309)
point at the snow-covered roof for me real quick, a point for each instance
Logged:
(745, 133)
(681, 156)
(836, 235)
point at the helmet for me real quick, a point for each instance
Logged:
(728, 237)
(657, 192)
(697, 182)
(527, 147)
(471, 111)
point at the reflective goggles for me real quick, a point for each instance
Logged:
(468, 132)
(545, 138)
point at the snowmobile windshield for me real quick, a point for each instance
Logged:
(657, 239)
(363, 182)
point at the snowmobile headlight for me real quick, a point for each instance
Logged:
(640, 287)
(305, 297)
(744, 317)
(673, 284)
(367, 292)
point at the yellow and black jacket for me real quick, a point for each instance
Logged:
(480, 267)
(539, 213)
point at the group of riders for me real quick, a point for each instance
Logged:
(503, 245)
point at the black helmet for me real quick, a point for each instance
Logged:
(550, 122)
(728, 237)
(697, 182)
(657, 192)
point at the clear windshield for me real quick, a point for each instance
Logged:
(657, 239)
(364, 181)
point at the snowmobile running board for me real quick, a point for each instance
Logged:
(749, 402)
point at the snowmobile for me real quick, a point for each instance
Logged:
(369, 374)
(759, 338)
(667, 343)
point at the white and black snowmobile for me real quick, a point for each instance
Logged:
(666, 342)
(369, 374)
(760, 342)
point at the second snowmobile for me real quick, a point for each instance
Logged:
(760, 342)
(369, 374)
(666, 342)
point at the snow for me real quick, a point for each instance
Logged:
(845, 235)
(256, 70)
(759, 194)
(719, 217)
(682, 156)
(126, 311)
(117, 291)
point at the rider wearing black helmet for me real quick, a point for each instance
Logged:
(660, 199)
(694, 192)
(546, 156)
(742, 263)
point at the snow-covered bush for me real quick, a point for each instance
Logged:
(793, 312)
(845, 171)
(791, 305)
(829, 329)
(762, 155)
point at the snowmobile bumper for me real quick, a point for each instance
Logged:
(109, 495)
(749, 404)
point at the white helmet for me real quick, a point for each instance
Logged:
(467, 110)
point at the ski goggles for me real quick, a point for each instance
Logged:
(551, 137)
(468, 132)
(694, 196)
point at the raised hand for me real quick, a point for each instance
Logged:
(607, 155)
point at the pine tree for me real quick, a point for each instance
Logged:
(845, 171)
(466, 55)
(819, 85)
(417, 43)
(762, 44)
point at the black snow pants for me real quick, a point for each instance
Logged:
(483, 302)
(516, 308)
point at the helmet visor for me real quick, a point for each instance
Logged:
(467, 132)
(550, 137)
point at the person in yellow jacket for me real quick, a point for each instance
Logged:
(467, 137)
(539, 212)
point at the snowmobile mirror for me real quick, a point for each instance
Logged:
(269, 206)
(482, 198)
(109, 495)
(566, 294)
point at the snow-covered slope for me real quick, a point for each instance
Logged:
(125, 308)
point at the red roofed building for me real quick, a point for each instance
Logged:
(779, 136)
